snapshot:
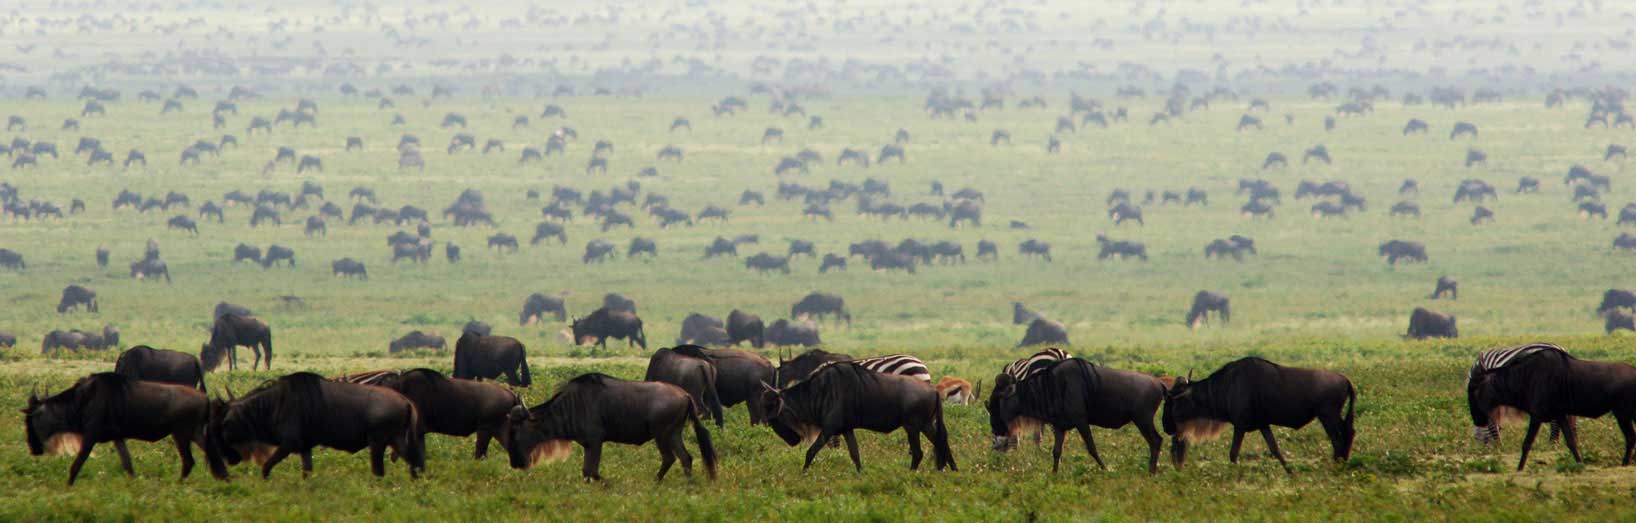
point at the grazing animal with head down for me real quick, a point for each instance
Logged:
(111, 408)
(1425, 323)
(594, 409)
(480, 356)
(231, 332)
(1204, 303)
(416, 340)
(607, 323)
(1253, 394)
(1446, 285)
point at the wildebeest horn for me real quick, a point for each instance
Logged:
(230, 396)
(769, 387)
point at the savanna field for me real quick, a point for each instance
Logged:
(1316, 294)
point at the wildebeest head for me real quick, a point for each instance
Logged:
(1187, 413)
(543, 433)
(46, 423)
(1487, 414)
(782, 420)
(1005, 420)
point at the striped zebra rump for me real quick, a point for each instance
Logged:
(899, 364)
(379, 378)
(1491, 360)
(1024, 368)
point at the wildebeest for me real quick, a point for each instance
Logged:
(76, 339)
(316, 226)
(742, 326)
(614, 301)
(150, 267)
(301, 411)
(687, 367)
(223, 308)
(1446, 285)
(1121, 248)
(1424, 324)
(276, 253)
(348, 267)
(1550, 386)
(232, 331)
(593, 409)
(1463, 128)
(607, 323)
(1203, 304)
(1395, 250)
(1253, 394)
(76, 296)
(1033, 247)
(1319, 152)
(819, 305)
(699, 329)
(503, 242)
(597, 251)
(538, 304)
(416, 340)
(1616, 299)
(785, 333)
(481, 356)
(764, 262)
(1074, 394)
(108, 407)
(1044, 331)
(149, 364)
(841, 397)
(455, 407)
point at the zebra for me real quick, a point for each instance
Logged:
(1497, 358)
(380, 378)
(1024, 368)
(899, 364)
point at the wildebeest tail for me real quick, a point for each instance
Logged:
(706, 449)
(199, 368)
(267, 345)
(414, 444)
(1343, 448)
(527, 379)
(940, 439)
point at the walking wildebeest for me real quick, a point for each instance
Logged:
(416, 340)
(1446, 285)
(480, 356)
(607, 323)
(231, 332)
(537, 304)
(108, 407)
(1398, 249)
(1203, 303)
(687, 367)
(1043, 331)
(149, 364)
(75, 296)
(593, 409)
(1424, 324)
(1074, 394)
(1253, 394)
(455, 407)
(819, 304)
(841, 397)
(1550, 386)
(301, 411)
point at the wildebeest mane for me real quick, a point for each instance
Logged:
(572, 405)
(298, 396)
(691, 351)
(832, 383)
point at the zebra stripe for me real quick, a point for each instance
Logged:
(1497, 358)
(1024, 368)
(899, 364)
(374, 377)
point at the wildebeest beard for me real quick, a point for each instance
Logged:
(1200, 429)
(64, 443)
(550, 451)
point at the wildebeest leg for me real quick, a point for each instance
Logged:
(812, 452)
(682, 454)
(1528, 441)
(1630, 437)
(79, 461)
(1337, 435)
(232, 357)
(184, 447)
(124, 457)
(306, 463)
(272, 461)
(667, 454)
(914, 448)
(1056, 448)
(852, 449)
(1154, 441)
(1090, 445)
(1238, 442)
(377, 458)
(1272, 445)
(1570, 435)
(482, 450)
(593, 461)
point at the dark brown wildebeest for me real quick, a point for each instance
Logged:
(749, 197)
(232, 331)
(480, 356)
(1044, 331)
(743, 326)
(455, 407)
(640, 246)
(891, 151)
(699, 329)
(1074, 394)
(594, 409)
(149, 364)
(1032, 247)
(804, 365)
(818, 305)
(1474, 190)
(502, 242)
(1405, 208)
(75, 296)
(1203, 304)
(895, 260)
(1424, 324)
(264, 213)
(1614, 150)
(785, 333)
(538, 304)
(183, 223)
(276, 253)
(720, 247)
(688, 368)
(1275, 159)
(150, 267)
(11, 259)
(1319, 152)
(1395, 250)
(416, 340)
(1253, 394)
(223, 308)
(109, 407)
(1548, 385)
(605, 323)
(316, 226)
(1527, 184)
(1121, 248)
(1588, 210)
(765, 262)
(987, 249)
(1625, 242)
(1482, 215)
(832, 261)
(246, 252)
(350, 268)
(1616, 299)
(1124, 211)
(1476, 156)
(76, 339)
(477, 327)
(102, 256)
(614, 301)
(740, 378)
(1446, 285)
(301, 411)
(971, 211)
(1416, 125)
(598, 251)
(841, 397)
(1463, 128)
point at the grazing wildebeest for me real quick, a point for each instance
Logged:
(841, 397)
(1032, 247)
(549, 230)
(1550, 386)
(76, 339)
(1125, 211)
(102, 256)
(108, 407)
(699, 329)
(765, 262)
(1463, 128)
(1476, 156)
(232, 331)
(1588, 210)
(503, 242)
(75, 296)
(1415, 125)
(1044, 331)
(183, 223)
(1616, 299)
(820, 304)
(1275, 159)
(276, 253)
(1395, 250)
(481, 356)
(451, 406)
(598, 251)
(785, 333)
(538, 304)
(639, 246)
(1405, 208)
(1253, 394)
(1074, 394)
(688, 368)
(1319, 152)
(149, 364)
(891, 151)
(416, 340)
(1483, 214)
(1121, 248)
(150, 267)
(1203, 304)
(246, 252)
(265, 213)
(316, 226)
(301, 411)
(593, 409)
(607, 323)
(1424, 324)
(832, 261)
(742, 326)
(1446, 285)
(740, 378)
(1527, 184)
(350, 268)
